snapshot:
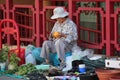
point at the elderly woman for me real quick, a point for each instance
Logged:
(66, 36)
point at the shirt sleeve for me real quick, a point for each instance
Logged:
(72, 35)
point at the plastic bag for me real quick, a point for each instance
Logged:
(30, 59)
(89, 52)
(29, 49)
(68, 63)
(36, 53)
(77, 53)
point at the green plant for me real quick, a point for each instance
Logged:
(4, 54)
(14, 59)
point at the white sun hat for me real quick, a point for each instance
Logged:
(59, 12)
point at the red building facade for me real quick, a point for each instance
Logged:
(97, 20)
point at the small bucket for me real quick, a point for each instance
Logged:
(82, 68)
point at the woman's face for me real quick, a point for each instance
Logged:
(61, 20)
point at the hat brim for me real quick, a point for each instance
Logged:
(60, 16)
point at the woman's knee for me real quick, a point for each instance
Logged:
(59, 42)
(45, 43)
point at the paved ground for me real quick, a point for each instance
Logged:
(9, 78)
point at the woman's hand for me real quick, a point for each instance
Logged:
(56, 34)
(59, 35)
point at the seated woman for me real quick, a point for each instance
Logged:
(62, 37)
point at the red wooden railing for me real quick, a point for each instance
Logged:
(97, 21)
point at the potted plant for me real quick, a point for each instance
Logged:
(13, 62)
(4, 56)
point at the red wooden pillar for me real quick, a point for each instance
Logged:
(8, 5)
(38, 6)
(112, 31)
(109, 46)
(71, 8)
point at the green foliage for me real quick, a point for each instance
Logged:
(22, 70)
(14, 59)
(25, 69)
(4, 54)
(11, 71)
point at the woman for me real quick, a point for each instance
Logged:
(66, 38)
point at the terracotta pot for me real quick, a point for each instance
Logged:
(106, 74)
(115, 78)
